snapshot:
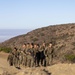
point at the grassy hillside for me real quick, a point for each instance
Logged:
(62, 36)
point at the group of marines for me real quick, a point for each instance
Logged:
(31, 55)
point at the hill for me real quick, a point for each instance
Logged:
(62, 36)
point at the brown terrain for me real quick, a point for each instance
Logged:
(63, 39)
(62, 36)
(57, 69)
(4, 65)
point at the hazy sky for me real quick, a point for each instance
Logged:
(32, 14)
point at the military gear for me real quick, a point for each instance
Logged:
(37, 58)
(10, 59)
(42, 56)
(31, 55)
(50, 54)
(30, 58)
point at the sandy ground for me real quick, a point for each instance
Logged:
(4, 65)
(57, 69)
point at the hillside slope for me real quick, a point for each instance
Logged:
(62, 36)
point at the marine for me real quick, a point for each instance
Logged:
(36, 55)
(30, 56)
(10, 59)
(50, 53)
(42, 56)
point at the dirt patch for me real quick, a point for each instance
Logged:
(57, 69)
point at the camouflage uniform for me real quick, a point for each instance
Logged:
(10, 59)
(46, 57)
(50, 55)
(30, 57)
(23, 58)
(16, 60)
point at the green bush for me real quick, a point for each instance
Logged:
(70, 57)
(5, 49)
(61, 47)
(42, 34)
(35, 39)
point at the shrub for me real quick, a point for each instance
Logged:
(64, 36)
(42, 34)
(61, 47)
(35, 39)
(31, 37)
(5, 49)
(42, 29)
(70, 57)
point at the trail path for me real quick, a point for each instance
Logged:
(4, 65)
(57, 69)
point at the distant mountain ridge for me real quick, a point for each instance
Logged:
(62, 36)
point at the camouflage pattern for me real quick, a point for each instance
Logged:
(50, 54)
(10, 59)
(31, 55)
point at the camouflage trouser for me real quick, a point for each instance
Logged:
(20, 59)
(30, 61)
(16, 62)
(50, 59)
(24, 62)
(11, 62)
(46, 63)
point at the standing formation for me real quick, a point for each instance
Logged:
(31, 55)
